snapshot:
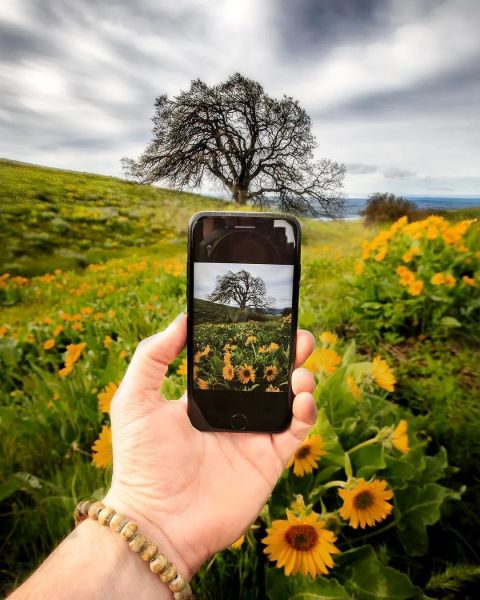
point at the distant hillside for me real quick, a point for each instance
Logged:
(52, 218)
(212, 312)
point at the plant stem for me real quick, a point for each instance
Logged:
(379, 531)
(369, 442)
(331, 484)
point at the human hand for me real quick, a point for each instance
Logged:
(193, 492)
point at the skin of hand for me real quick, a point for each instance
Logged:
(192, 492)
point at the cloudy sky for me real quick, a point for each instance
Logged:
(278, 279)
(392, 86)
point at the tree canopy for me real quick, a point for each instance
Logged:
(257, 147)
(242, 288)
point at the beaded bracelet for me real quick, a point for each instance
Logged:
(137, 542)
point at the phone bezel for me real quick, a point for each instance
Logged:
(276, 416)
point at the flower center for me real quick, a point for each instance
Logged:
(301, 537)
(246, 373)
(363, 500)
(303, 452)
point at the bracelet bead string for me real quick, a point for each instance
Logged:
(138, 543)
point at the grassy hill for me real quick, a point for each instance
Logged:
(62, 219)
(213, 312)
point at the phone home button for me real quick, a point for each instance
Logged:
(239, 422)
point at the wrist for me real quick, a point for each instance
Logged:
(176, 549)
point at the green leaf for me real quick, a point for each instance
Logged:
(366, 578)
(401, 469)
(435, 466)
(450, 322)
(338, 404)
(415, 509)
(349, 354)
(335, 455)
(368, 461)
(171, 390)
(9, 487)
(281, 587)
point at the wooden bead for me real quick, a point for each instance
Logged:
(177, 584)
(169, 573)
(149, 552)
(105, 515)
(129, 530)
(184, 594)
(118, 522)
(94, 509)
(138, 543)
(84, 506)
(158, 564)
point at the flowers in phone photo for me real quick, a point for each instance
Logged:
(270, 372)
(228, 372)
(245, 374)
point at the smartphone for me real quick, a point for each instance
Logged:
(242, 301)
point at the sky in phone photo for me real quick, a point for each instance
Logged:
(392, 86)
(278, 279)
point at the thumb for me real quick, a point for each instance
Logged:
(304, 417)
(149, 364)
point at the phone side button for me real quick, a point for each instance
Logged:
(239, 422)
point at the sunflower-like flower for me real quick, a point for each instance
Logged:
(202, 384)
(182, 368)
(105, 397)
(469, 280)
(353, 388)
(48, 344)
(272, 388)
(237, 544)
(251, 339)
(228, 372)
(273, 346)
(323, 359)
(382, 374)
(307, 455)
(366, 503)
(246, 373)
(102, 449)
(270, 372)
(301, 544)
(399, 437)
(328, 338)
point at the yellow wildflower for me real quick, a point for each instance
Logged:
(382, 374)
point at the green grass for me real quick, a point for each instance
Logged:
(61, 219)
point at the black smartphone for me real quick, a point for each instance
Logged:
(242, 301)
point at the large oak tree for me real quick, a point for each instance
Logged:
(243, 289)
(257, 147)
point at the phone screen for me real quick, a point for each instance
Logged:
(243, 293)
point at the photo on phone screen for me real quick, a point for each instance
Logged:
(242, 326)
(243, 283)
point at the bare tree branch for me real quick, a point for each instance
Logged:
(258, 147)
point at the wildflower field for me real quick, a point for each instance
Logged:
(246, 356)
(380, 501)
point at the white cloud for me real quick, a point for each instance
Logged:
(78, 81)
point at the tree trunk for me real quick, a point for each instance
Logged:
(239, 195)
